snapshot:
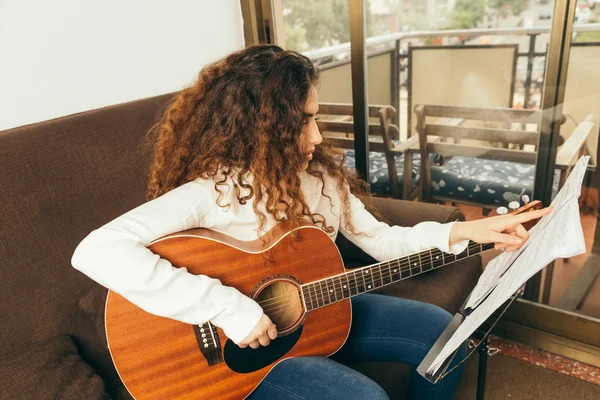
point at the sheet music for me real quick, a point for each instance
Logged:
(556, 235)
(498, 266)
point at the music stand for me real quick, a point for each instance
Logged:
(482, 348)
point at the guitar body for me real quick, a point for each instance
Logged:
(160, 358)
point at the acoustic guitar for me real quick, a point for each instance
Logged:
(296, 275)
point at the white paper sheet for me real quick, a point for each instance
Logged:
(556, 235)
(498, 266)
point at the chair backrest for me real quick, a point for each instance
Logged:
(480, 132)
(337, 124)
(501, 134)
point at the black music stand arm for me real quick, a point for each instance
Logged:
(482, 348)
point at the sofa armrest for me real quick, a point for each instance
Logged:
(396, 212)
(446, 287)
(410, 213)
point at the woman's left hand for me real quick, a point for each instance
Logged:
(505, 231)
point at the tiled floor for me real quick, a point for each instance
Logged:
(546, 360)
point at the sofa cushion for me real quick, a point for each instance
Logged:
(51, 369)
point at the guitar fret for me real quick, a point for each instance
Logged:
(360, 281)
(417, 265)
(387, 280)
(413, 266)
(329, 291)
(368, 277)
(313, 295)
(464, 254)
(307, 301)
(430, 260)
(351, 283)
(338, 295)
(321, 296)
(326, 300)
(384, 270)
(438, 259)
(342, 294)
(348, 285)
(395, 272)
(377, 282)
(314, 299)
(405, 268)
(333, 289)
(423, 262)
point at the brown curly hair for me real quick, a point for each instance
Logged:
(243, 117)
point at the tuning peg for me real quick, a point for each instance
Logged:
(513, 205)
(502, 210)
(525, 199)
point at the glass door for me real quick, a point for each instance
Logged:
(490, 103)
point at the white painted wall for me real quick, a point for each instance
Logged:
(59, 57)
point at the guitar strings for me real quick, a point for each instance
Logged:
(379, 281)
(272, 304)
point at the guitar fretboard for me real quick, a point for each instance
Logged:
(360, 280)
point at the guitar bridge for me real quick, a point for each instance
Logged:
(207, 338)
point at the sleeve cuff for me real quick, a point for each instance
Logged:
(239, 318)
(442, 240)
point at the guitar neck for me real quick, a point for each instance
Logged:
(361, 280)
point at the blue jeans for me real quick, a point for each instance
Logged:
(384, 328)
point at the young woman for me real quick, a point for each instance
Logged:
(237, 152)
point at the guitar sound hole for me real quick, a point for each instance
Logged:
(281, 302)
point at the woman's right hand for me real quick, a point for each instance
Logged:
(261, 335)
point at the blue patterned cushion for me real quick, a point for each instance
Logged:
(378, 171)
(484, 181)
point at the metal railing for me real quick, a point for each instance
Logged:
(399, 36)
(394, 41)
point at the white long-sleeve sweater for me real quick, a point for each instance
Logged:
(116, 256)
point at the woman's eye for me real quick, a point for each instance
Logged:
(317, 117)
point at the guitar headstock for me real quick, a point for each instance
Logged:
(529, 206)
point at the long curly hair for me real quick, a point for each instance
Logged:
(243, 118)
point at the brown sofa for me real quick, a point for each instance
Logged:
(65, 177)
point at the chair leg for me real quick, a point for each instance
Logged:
(485, 212)
(407, 176)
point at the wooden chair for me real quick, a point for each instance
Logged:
(384, 146)
(491, 161)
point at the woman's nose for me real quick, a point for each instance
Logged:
(315, 136)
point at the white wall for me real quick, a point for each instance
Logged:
(59, 57)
